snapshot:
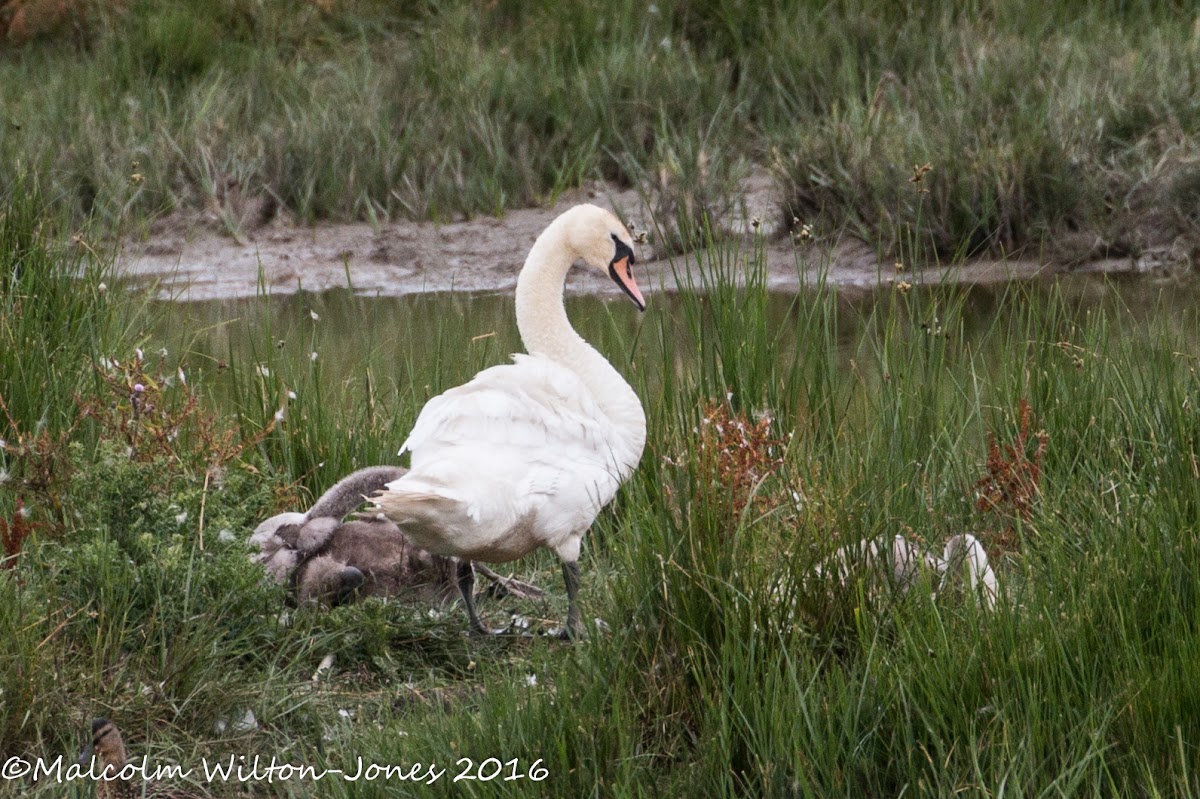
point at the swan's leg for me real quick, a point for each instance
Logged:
(574, 628)
(466, 585)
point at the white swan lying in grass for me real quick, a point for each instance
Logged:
(905, 563)
(526, 454)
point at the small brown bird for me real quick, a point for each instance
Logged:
(108, 750)
(107, 758)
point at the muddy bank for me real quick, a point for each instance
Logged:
(195, 262)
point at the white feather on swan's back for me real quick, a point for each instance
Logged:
(532, 404)
(522, 442)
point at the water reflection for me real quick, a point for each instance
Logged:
(404, 337)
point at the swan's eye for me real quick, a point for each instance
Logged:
(623, 251)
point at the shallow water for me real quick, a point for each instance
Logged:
(379, 360)
(439, 339)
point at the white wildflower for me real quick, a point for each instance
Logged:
(312, 356)
(279, 415)
(315, 316)
(291, 394)
(181, 517)
(262, 370)
(531, 680)
(182, 376)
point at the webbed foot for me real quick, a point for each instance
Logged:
(466, 586)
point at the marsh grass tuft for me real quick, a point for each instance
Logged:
(1011, 483)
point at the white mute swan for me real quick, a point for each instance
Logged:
(906, 561)
(526, 454)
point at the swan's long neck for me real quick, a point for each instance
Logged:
(347, 494)
(546, 331)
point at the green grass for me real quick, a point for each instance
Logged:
(1064, 131)
(726, 671)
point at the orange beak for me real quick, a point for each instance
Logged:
(621, 272)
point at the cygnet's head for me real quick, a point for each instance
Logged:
(603, 243)
(276, 528)
(107, 744)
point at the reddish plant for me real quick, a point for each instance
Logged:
(737, 454)
(1012, 483)
(156, 416)
(44, 461)
(13, 533)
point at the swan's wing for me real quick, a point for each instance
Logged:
(267, 533)
(532, 424)
(531, 404)
(316, 533)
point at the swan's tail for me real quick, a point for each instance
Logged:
(418, 505)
